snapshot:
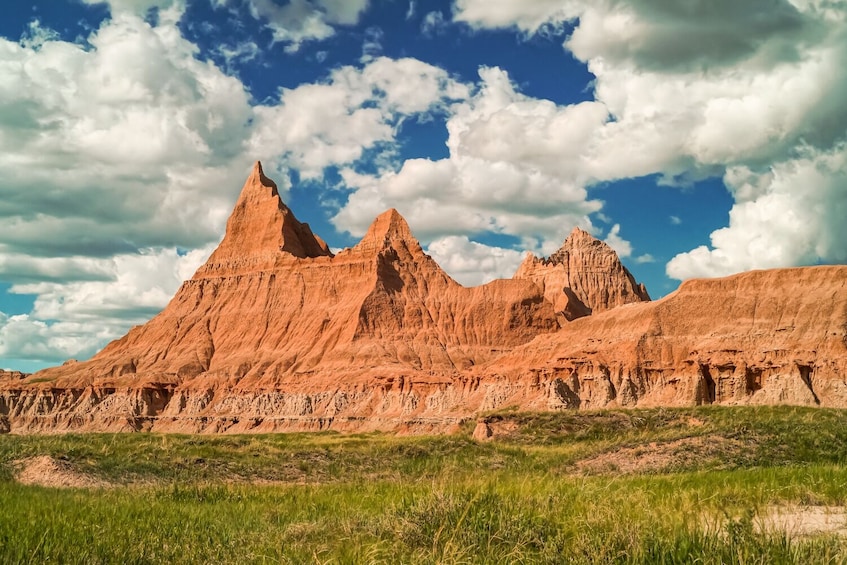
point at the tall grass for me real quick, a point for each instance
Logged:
(330, 498)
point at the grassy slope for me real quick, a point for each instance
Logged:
(377, 498)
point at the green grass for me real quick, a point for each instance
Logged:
(375, 498)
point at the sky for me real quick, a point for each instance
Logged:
(699, 138)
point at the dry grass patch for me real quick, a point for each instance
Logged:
(685, 453)
(46, 471)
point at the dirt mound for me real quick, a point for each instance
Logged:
(654, 457)
(45, 471)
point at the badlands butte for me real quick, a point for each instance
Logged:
(277, 333)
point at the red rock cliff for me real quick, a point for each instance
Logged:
(275, 333)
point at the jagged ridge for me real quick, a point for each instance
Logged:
(276, 333)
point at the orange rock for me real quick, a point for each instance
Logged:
(584, 276)
(763, 337)
(276, 333)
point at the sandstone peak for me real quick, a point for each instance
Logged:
(582, 277)
(257, 177)
(274, 334)
(388, 228)
(579, 239)
(579, 234)
(261, 225)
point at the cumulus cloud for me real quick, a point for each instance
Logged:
(751, 91)
(526, 16)
(791, 214)
(25, 338)
(621, 246)
(136, 287)
(334, 122)
(502, 174)
(115, 156)
(298, 21)
(21, 268)
(683, 36)
(472, 263)
(74, 319)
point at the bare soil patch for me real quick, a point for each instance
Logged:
(48, 472)
(690, 452)
(803, 521)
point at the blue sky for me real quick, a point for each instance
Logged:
(699, 139)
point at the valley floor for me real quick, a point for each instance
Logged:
(706, 485)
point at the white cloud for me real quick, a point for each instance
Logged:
(22, 337)
(112, 156)
(74, 319)
(139, 7)
(646, 258)
(298, 21)
(614, 240)
(472, 263)
(433, 23)
(316, 125)
(502, 175)
(137, 286)
(675, 220)
(22, 268)
(526, 16)
(790, 214)
(751, 89)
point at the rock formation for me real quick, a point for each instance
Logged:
(762, 337)
(584, 276)
(11, 375)
(275, 332)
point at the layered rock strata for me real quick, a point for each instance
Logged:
(762, 337)
(584, 276)
(276, 333)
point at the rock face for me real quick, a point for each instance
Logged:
(275, 332)
(261, 226)
(11, 375)
(763, 337)
(584, 276)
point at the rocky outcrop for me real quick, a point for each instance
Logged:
(584, 276)
(276, 333)
(11, 376)
(763, 337)
(261, 226)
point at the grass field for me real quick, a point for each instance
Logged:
(644, 486)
